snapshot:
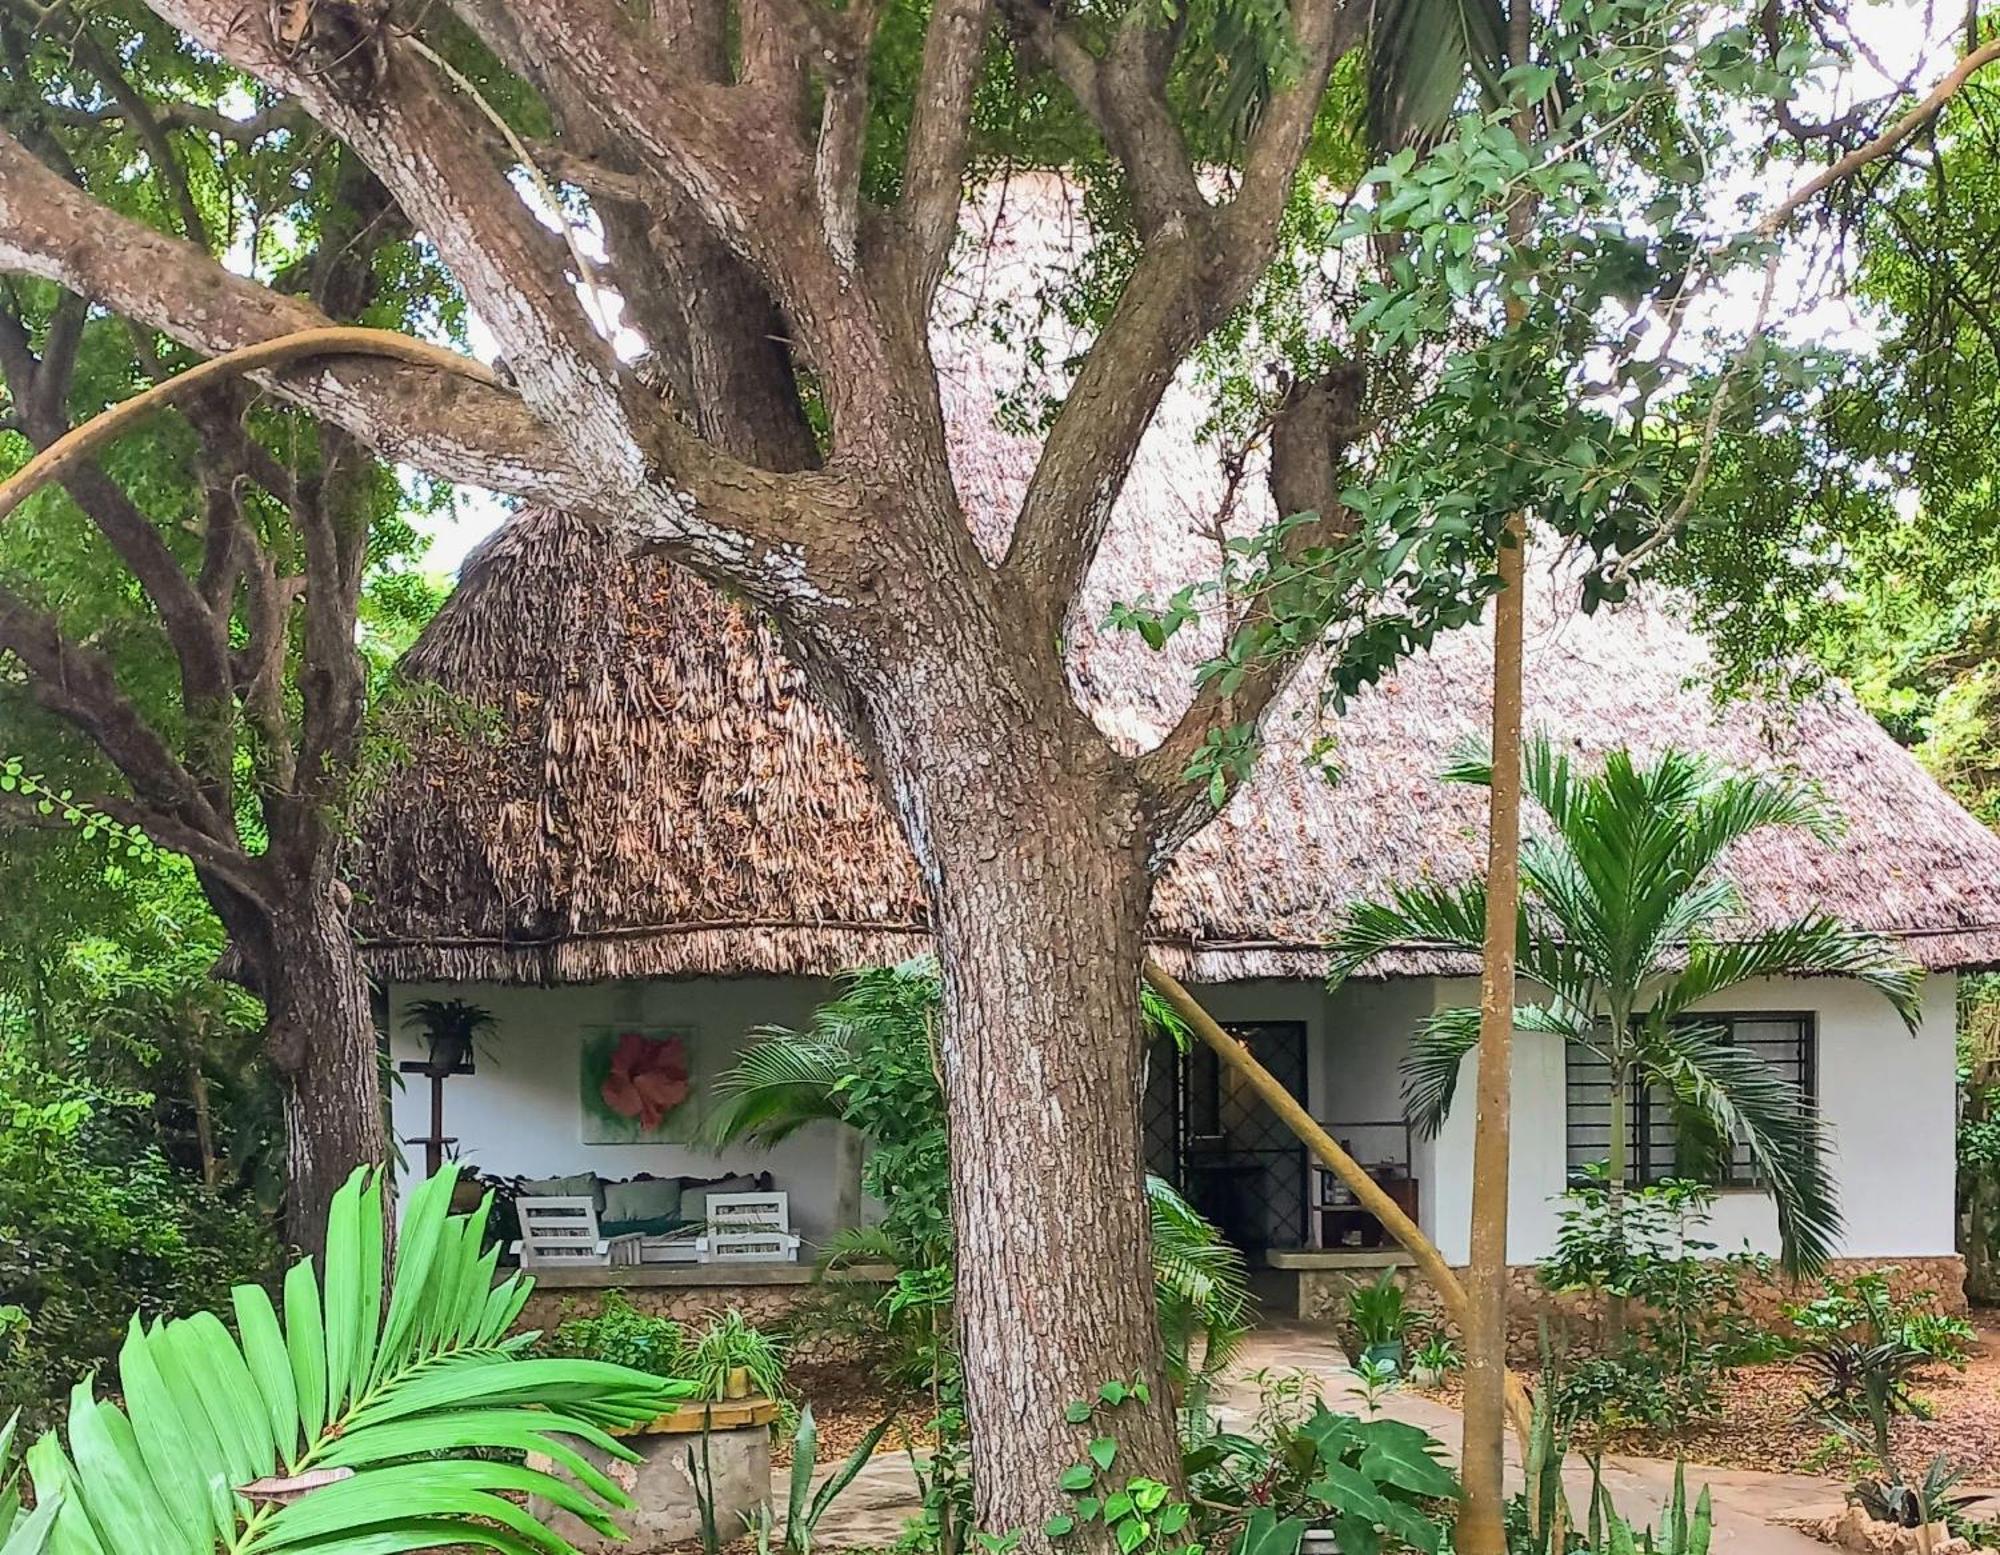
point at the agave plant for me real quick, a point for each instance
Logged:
(356, 1426)
(1628, 928)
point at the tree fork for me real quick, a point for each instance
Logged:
(1368, 1192)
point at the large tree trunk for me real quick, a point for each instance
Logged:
(1034, 852)
(322, 1041)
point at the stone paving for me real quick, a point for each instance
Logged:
(871, 1512)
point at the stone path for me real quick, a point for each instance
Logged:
(871, 1512)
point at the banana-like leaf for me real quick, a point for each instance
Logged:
(371, 1421)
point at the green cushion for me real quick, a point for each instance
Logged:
(649, 1199)
(657, 1225)
(578, 1185)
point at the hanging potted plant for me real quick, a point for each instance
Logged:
(451, 1028)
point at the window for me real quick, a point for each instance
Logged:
(1787, 1042)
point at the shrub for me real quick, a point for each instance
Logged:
(96, 1224)
(1685, 1323)
(1866, 1310)
(622, 1335)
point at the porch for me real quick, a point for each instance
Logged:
(520, 1111)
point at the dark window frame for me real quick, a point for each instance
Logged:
(1650, 1118)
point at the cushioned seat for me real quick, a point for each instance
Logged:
(651, 1225)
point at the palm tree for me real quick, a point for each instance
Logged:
(1628, 926)
(383, 1412)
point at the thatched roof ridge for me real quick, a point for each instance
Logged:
(664, 799)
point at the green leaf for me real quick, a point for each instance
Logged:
(305, 1339)
(1059, 1526)
(1078, 1476)
(1077, 1412)
(1103, 1451)
(1267, 1534)
(1400, 1455)
(270, 1366)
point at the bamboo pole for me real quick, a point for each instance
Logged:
(1368, 1192)
(1483, 1515)
(79, 443)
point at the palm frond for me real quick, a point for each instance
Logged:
(1440, 1042)
(355, 1425)
(1201, 1286)
(1818, 946)
(1749, 1100)
(1420, 53)
(782, 1081)
(1431, 1066)
(1733, 806)
(1447, 916)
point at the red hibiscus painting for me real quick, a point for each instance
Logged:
(648, 1078)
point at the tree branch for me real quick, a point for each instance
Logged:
(1197, 268)
(1124, 95)
(78, 686)
(377, 93)
(843, 52)
(435, 415)
(1310, 434)
(940, 131)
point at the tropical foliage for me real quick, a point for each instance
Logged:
(867, 1060)
(382, 1413)
(1662, 1371)
(97, 1219)
(1629, 928)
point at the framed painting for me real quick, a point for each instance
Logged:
(635, 1083)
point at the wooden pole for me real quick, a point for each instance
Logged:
(1367, 1192)
(1482, 1517)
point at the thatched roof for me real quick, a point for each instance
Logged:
(662, 798)
(658, 796)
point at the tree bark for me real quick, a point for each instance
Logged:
(1482, 1522)
(1029, 832)
(321, 1037)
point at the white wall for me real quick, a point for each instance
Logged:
(1887, 1099)
(519, 1113)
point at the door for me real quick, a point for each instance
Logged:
(1210, 1135)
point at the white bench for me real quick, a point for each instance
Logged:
(562, 1233)
(747, 1228)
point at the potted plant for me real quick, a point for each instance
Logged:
(450, 1029)
(732, 1358)
(1378, 1318)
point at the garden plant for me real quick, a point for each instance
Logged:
(382, 1412)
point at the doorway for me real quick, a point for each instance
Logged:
(1210, 1135)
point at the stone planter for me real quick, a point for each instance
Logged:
(662, 1484)
(1319, 1541)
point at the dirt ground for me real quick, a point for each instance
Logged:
(1764, 1422)
(847, 1402)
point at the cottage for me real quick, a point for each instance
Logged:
(630, 818)
(659, 832)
